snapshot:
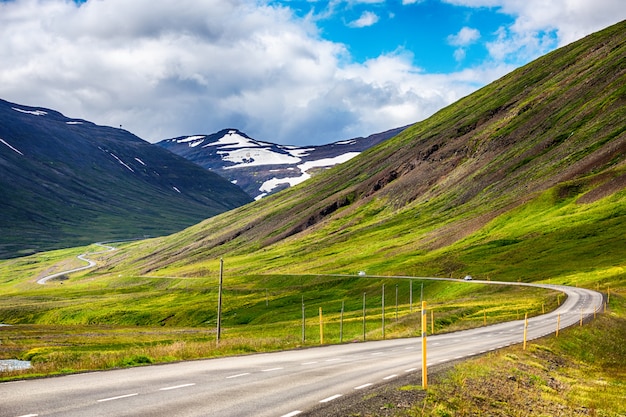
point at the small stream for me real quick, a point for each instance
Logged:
(12, 364)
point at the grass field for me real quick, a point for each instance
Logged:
(100, 323)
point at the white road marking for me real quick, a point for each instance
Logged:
(238, 375)
(29, 415)
(378, 353)
(293, 413)
(411, 370)
(410, 347)
(271, 369)
(309, 363)
(363, 386)
(176, 387)
(334, 397)
(118, 397)
(390, 377)
(333, 360)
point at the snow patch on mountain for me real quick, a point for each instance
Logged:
(247, 157)
(269, 185)
(327, 162)
(11, 147)
(191, 139)
(299, 152)
(242, 151)
(233, 140)
(33, 112)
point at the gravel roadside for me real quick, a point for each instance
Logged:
(388, 399)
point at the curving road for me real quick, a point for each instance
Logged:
(282, 384)
(82, 257)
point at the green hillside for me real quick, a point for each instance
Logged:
(67, 182)
(522, 180)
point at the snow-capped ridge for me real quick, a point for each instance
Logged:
(262, 167)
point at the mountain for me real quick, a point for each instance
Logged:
(67, 182)
(522, 180)
(263, 168)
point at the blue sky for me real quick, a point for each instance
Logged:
(297, 72)
(427, 29)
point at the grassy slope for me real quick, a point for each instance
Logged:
(534, 161)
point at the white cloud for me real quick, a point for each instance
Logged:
(367, 19)
(459, 54)
(542, 25)
(181, 67)
(466, 36)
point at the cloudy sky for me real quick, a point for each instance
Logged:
(294, 72)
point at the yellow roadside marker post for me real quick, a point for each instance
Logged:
(558, 324)
(424, 365)
(525, 329)
(321, 328)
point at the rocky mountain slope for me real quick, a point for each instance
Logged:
(263, 168)
(67, 182)
(526, 175)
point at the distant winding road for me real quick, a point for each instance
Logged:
(281, 384)
(82, 257)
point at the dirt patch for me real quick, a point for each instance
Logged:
(608, 188)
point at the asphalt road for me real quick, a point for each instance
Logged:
(273, 384)
(82, 257)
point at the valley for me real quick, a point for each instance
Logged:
(520, 182)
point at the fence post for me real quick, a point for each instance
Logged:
(383, 308)
(581, 317)
(219, 302)
(364, 316)
(432, 321)
(341, 323)
(396, 303)
(303, 322)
